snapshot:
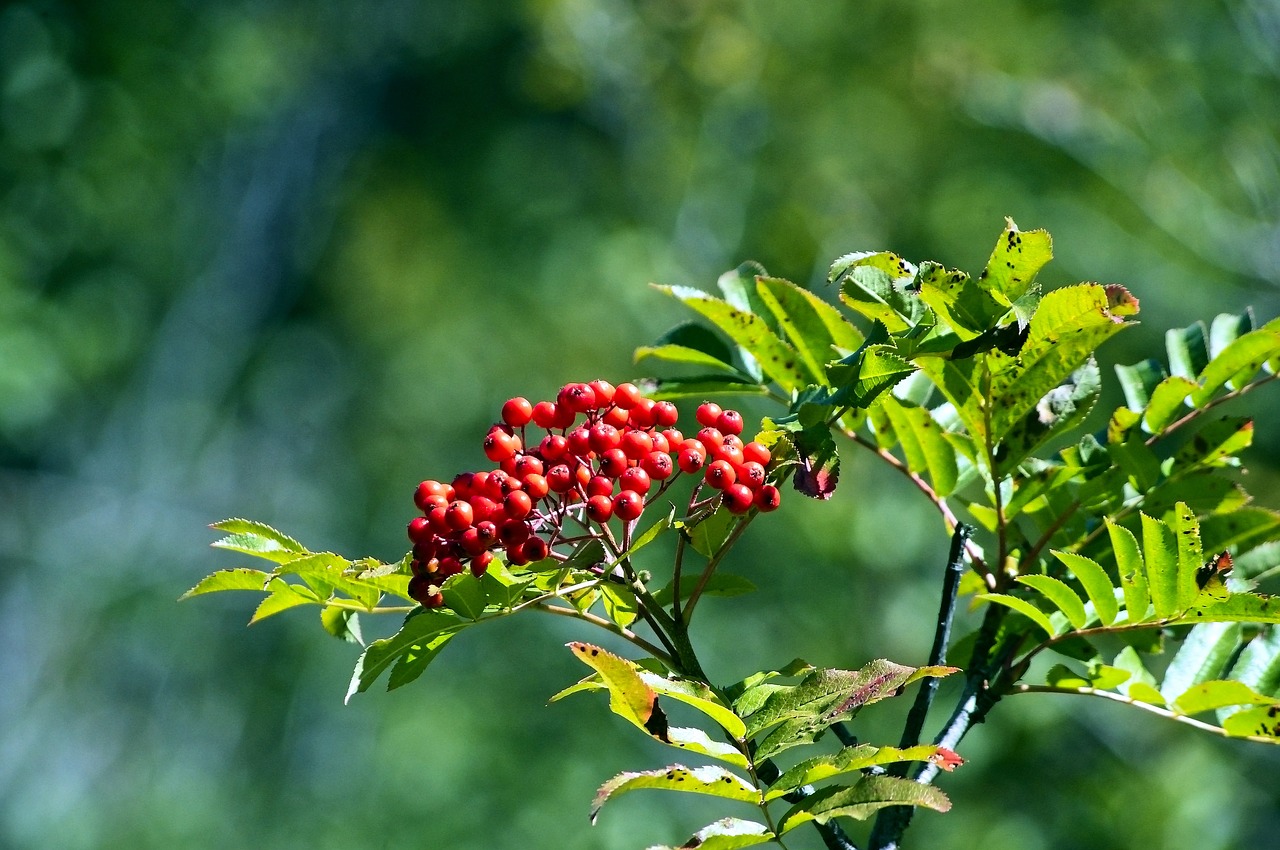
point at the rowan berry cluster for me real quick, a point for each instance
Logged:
(597, 453)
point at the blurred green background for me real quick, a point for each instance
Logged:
(283, 259)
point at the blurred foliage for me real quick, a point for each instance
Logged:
(285, 259)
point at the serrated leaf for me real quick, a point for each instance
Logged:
(813, 327)
(1203, 656)
(629, 697)
(237, 579)
(862, 800)
(1261, 722)
(699, 337)
(697, 741)
(342, 623)
(874, 285)
(680, 354)
(1133, 575)
(818, 463)
(777, 360)
(1160, 555)
(726, 834)
(420, 629)
(958, 381)
(698, 696)
(1167, 403)
(1244, 356)
(1015, 262)
(1023, 607)
(864, 376)
(964, 304)
(848, 760)
(1096, 583)
(699, 387)
(1062, 596)
(1240, 530)
(620, 604)
(1069, 326)
(711, 533)
(825, 696)
(326, 572)
(414, 661)
(1058, 411)
(1139, 383)
(257, 539)
(710, 779)
(1213, 695)
(923, 444)
(1235, 608)
(283, 596)
(1259, 663)
(1190, 557)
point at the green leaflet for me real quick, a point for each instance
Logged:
(237, 579)
(923, 443)
(1133, 574)
(1015, 262)
(1062, 596)
(1204, 655)
(1217, 443)
(1190, 555)
(814, 328)
(700, 387)
(681, 354)
(282, 596)
(1211, 696)
(1188, 350)
(257, 539)
(868, 796)
(1237, 364)
(864, 376)
(1060, 410)
(1139, 383)
(342, 623)
(855, 758)
(629, 697)
(1160, 556)
(1259, 663)
(874, 284)
(423, 634)
(777, 360)
(1167, 403)
(1023, 607)
(726, 834)
(965, 305)
(1096, 583)
(1236, 608)
(710, 779)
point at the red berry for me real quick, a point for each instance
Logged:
(420, 529)
(738, 498)
(487, 532)
(437, 518)
(617, 417)
(628, 505)
(580, 442)
(578, 398)
(708, 414)
(626, 396)
(711, 438)
(768, 498)
(560, 478)
(751, 473)
(729, 452)
(642, 413)
(720, 474)
(660, 442)
(482, 508)
(480, 564)
(526, 464)
(544, 414)
(636, 444)
(536, 486)
(517, 412)
(458, 515)
(600, 508)
(600, 486)
(534, 549)
(674, 437)
(730, 422)
(665, 414)
(553, 447)
(512, 533)
(613, 463)
(498, 445)
(462, 485)
(471, 541)
(517, 504)
(450, 566)
(604, 392)
(427, 489)
(756, 452)
(564, 417)
(691, 460)
(604, 437)
(658, 464)
(635, 479)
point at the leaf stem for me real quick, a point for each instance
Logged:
(713, 562)
(608, 625)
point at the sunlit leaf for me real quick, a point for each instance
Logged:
(342, 623)
(1062, 596)
(421, 629)
(629, 697)
(726, 834)
(1243, 356)
(1204, 655)
(1023, 607)
(1015, 262)
(814, 327)
(923, 444)
(862, 800)
(1133, 574)
(710, 779)
(1097, 584)
(962, 303)
(851, 759)
(237, 579)
(1210, 696)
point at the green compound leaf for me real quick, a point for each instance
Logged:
(423, 634)
(1062, 596)
(465, 595)
(1237, 364)
(1133, 574)
(964, 304)
(412, 663)
(1023, 607)
(629, 697)
(237, 579)
(710, 779)
(862, 800)
(815, 328)
(874, 284)
(856, 758)
(699, 387)
(726, 834)
(1203, 656)
(923, 444)
(777, 360)
(1096, 583)
(1064, 333)
(1213, 695)
(282, 596)
(1015, 262)
(1101, 677)
(257, 539)
(864, 376)
(1160, 553)
(1188, 350)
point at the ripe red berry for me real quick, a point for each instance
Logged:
(560, 478)
(720, 474)
(462, 485)
(600, 508)
(711, 438)
(512, 533)
(579, 442)
(534, 549)
(636, 444)
(449, 566)
(635, 479)
(517, 412)
(617, 417)
(544, 414)
(599, 485)
(613, 463)
(458, 515)
(420, 530)
(626, 396)
(517, 504)
(536, 486)
(708, 414)
(738, 498)
(674, 437)
(768, 498)
(526, 464)
(482, 508)
(628, 505)
(665, 414)
(428, 489)
(604, 392)
(728, 451)
(471, 542)
(603, 437)
(756, 452)
(750, 473)
(658, 464)
(642, 413)
(498, 445)
(730, 422)
(437, 518)
(480, 564)
(553, 447)
(487, 532)
(578, 398)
